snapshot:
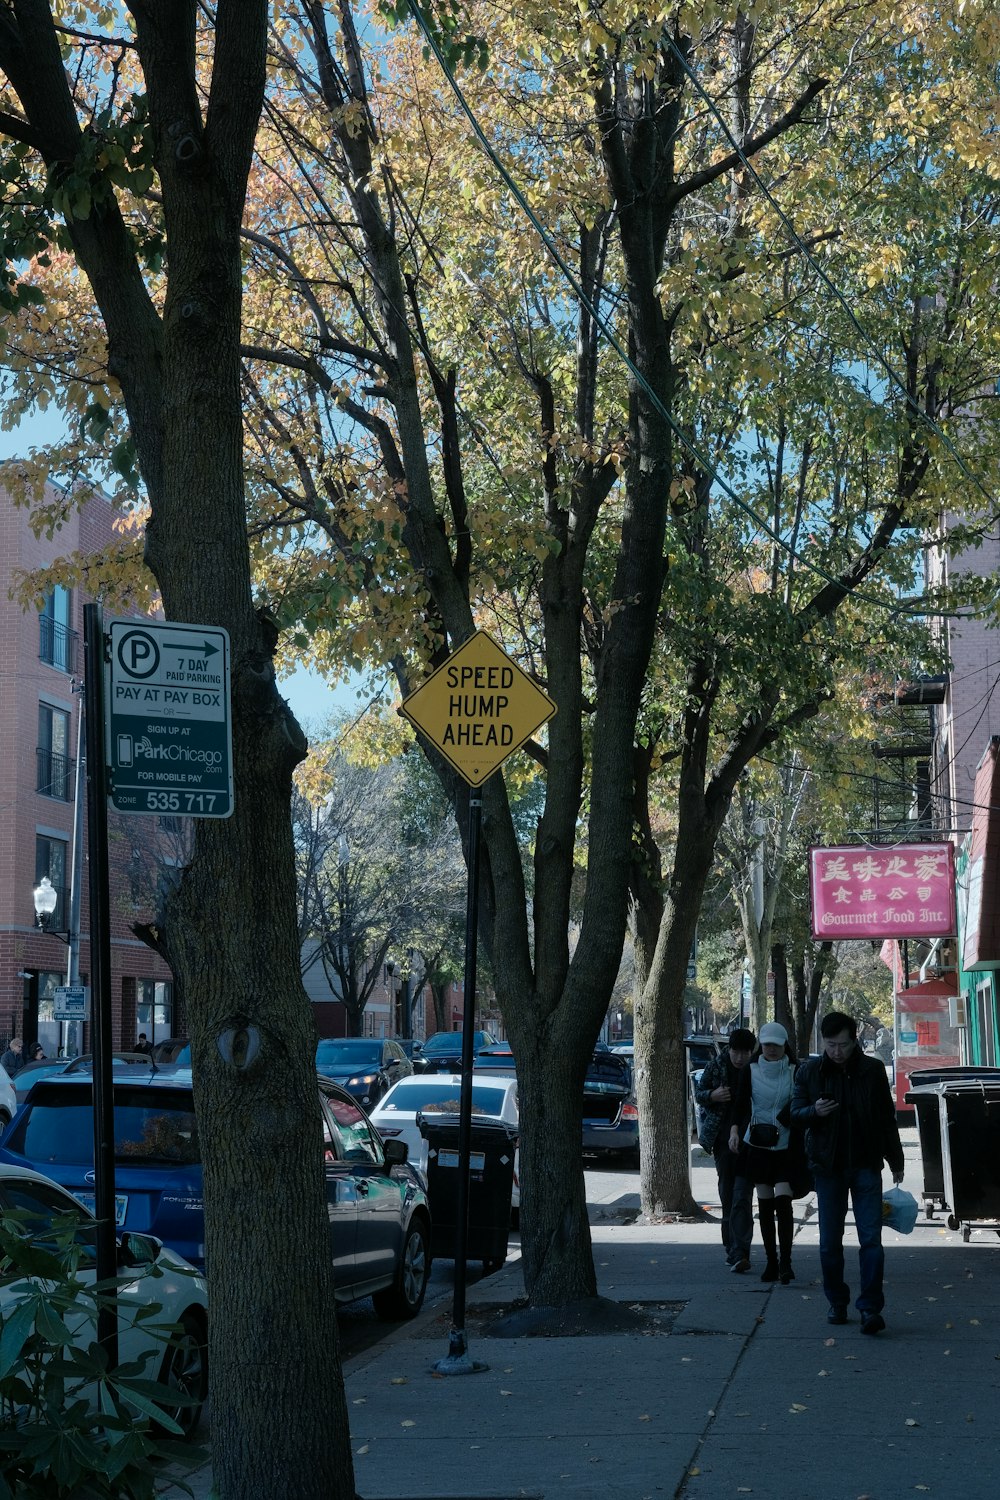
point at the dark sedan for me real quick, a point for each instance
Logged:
(442, 1053)
(365, 1066)
(610, 1115)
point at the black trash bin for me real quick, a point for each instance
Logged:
(925, 1100)
(969, 1114)
(491, 1182)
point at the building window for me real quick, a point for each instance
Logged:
(51, 859)
(55, 769)
(57, 642)
(154, 1009)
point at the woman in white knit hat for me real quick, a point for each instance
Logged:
(763, 1123)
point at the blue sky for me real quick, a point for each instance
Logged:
(311, 700)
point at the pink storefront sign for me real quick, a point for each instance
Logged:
(894, 891)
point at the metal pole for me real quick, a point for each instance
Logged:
(457, 1360)
(76, 858)
(100, 977)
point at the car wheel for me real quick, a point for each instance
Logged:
(185, 1370)
(405, 1297)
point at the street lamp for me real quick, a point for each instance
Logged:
(46, 899)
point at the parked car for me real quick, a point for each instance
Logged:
(442, 1052)
(30, 1074)
(157, 1278)
(8, 1098)
(377, 1206)
(173, 1049)
(610, 1114)
(498, 1059)
(364, 1066)
(397, 1117)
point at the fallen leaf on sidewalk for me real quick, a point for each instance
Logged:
(974, 1322)
(506, 1393)
(824, 1372)
(362, 1450)
(829, 1342)
(911, 1422)
(359, 1400)
(645, 1418)
(694, 1471)
(407, 1423)
(398, 1380)
(796, 1407)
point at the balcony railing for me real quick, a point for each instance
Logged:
(55, 775)
(57, 644)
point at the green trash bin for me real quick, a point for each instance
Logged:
(491, 1183)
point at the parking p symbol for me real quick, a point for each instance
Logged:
(138, 654)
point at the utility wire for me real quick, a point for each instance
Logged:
(901, 607)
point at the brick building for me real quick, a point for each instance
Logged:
(41, 671)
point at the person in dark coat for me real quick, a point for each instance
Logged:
(13, 1059)
(715, 1095)
(843, 1102)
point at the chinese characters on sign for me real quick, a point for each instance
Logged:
(897, 891)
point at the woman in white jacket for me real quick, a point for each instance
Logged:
(763, 1123)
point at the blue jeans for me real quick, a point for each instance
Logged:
(865, 1187)
(736, 1197)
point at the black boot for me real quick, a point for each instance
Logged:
(765, 1214)
(786, 1228)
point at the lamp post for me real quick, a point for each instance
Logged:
(46, 899)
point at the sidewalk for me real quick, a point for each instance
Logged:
(745, 1391)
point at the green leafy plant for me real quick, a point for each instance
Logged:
(71, 1427)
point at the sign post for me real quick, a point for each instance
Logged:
(476, 709)
(158, 740)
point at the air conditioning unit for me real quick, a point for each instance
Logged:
(958, 1010)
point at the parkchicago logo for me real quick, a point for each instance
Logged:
(176, 753)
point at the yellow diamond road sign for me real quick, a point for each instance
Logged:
(478, 708)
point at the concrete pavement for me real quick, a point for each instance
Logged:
(739, 1388)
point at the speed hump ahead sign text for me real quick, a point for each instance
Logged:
(478, 708)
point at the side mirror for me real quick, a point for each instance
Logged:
(137, 1250)
(418, 1046)
(396, 1152)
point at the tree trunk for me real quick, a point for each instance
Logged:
(782, 1004)
(231, 930)
(555, 1233)
(662, 1086)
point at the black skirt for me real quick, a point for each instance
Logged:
(765, 1168)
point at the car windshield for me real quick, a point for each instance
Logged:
(151, 1125)
(441, 1098)
(351, 1053)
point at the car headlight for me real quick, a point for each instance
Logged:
(362, 1078)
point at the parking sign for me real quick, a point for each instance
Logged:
(168, 732)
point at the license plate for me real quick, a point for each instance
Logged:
(121, 1204)
(477, 1160)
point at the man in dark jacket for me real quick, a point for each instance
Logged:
(842, 1101)
(715, 1093)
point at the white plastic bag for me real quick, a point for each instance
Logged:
(899, 1210)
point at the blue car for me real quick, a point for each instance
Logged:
(380, 1227)
(610, 1114)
